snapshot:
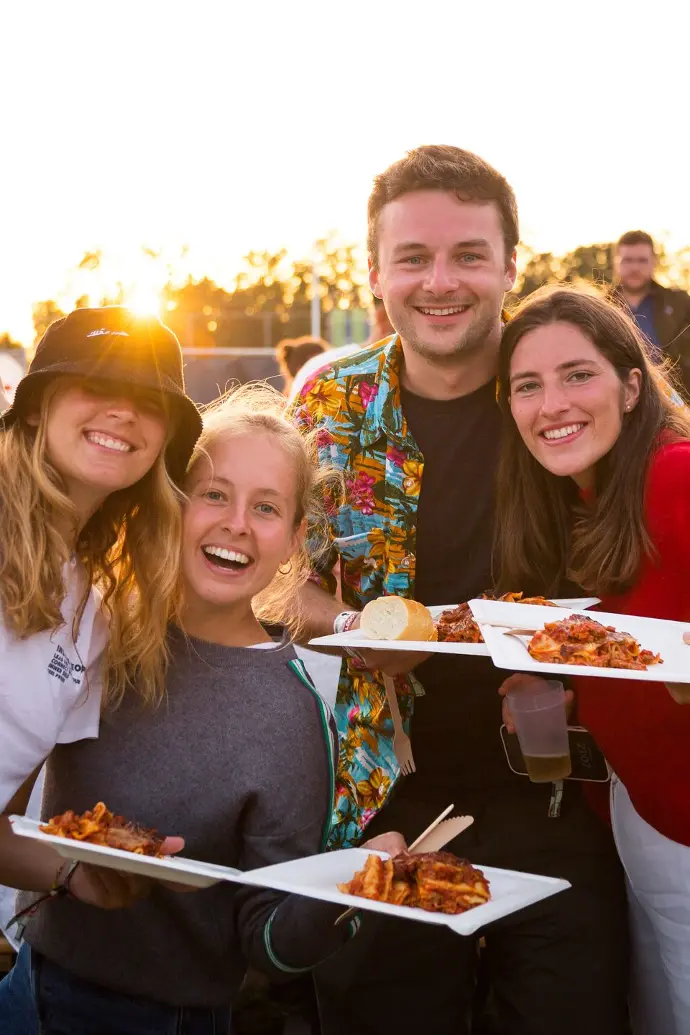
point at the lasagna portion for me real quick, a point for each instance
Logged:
(457, 625)
(436, 881)
(98, 826)
(582, 641)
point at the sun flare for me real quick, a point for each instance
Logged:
(143, 300)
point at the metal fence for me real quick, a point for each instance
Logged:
(208, 372)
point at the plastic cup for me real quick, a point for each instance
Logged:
(538, 710)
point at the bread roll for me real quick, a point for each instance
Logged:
(394, 618)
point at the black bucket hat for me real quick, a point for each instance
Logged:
(114, 344)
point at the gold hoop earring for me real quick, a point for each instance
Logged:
(288, 572)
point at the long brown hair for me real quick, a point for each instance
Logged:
(545, 534)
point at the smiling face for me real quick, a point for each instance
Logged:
(239, 523)
(442, 272)
(102, 436)
(567, 400)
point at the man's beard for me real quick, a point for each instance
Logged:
(638, 286)
(473, 339)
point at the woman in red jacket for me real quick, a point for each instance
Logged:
(594, 488)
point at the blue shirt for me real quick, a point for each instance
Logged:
(644, 318)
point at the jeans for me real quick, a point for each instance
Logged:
(17, 1005)
(69, 1006)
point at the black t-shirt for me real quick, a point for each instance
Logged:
(455, 728)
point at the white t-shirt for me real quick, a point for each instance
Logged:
(50, 687)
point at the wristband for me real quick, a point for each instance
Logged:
(58, 889)
(344, 621)
(60, 885)
(342, 624)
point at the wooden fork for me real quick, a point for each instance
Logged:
(402, 746)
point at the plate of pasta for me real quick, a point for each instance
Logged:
(101, 838)
(601, 644)
(434, 888)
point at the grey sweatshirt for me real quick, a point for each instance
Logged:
(239, 761)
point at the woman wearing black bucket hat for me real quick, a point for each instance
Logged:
(113, 344)
(99, 433)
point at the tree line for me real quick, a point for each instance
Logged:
(269, 298)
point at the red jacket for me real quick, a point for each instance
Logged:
(642, 731)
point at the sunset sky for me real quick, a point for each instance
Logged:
(226, 125)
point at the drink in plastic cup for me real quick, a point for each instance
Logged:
(538, 710)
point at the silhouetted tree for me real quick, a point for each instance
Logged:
(45, 313)
(7, 342)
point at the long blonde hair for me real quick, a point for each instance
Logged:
(258, 408)
(123, 547)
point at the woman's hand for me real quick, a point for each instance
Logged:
(393, 843)
(107, 889)
(114, 889)
(390, 662)
(514, 682)
(680, 692)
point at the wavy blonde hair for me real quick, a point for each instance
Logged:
(261, 409)
(121, 547)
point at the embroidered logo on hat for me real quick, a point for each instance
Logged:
(104, 330)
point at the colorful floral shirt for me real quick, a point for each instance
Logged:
(355, 405)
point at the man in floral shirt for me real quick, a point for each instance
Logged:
(413, 424)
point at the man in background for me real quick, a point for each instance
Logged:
(662, 314)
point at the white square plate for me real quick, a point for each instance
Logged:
(357, 641)
(314, 877)
(173, 868)
(654, 634)
(319, 875)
